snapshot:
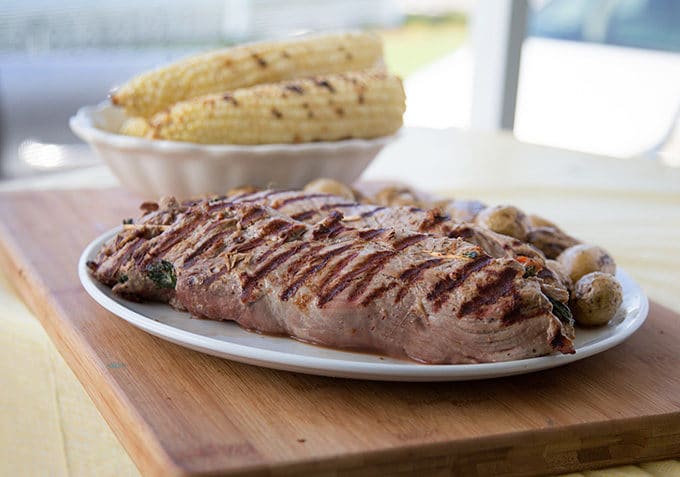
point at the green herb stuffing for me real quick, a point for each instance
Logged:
(561, 311)
(162, 274)
(530, 271)
(470, 254)
(123, 278)
(127, 221)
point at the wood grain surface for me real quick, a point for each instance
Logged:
(179, 412)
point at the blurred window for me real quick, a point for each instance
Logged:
(652, 24)
(613, 87)
(563, 20)
(600, 76)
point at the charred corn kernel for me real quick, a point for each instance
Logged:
(323, 108)
(247, 65)
(135, 127)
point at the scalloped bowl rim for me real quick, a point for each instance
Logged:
(84, 126)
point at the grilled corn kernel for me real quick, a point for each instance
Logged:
(135, 127)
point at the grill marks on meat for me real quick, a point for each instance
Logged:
(126, 248)
(324, 297)
(395, 291)
(369, 234)
(257, 196)
(249, 245)
(441, 290)
(412, 274)
(317, 264)
(407, 241)
(275, 226)
(432, 218)
(337, 205)
(282, 229)
(378, 292)
(295, 198)
(490, 293)
(304, 216)
(366, 268)
(372, 211)
(313, 207)
(366, 271)
(329, 227)
(249, 282)
(167, 240)
(212, 237)
(252, 216)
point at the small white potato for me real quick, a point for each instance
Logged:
(596, 299)
(242, 190)
(538, 221)
(506, 220)
(359, 197)
(397, 196)
(461, 210)
(582, 259)
(330, 186)
(551, 241)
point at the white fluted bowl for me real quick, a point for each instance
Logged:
(154, 168)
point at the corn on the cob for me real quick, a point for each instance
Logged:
(135, 127)
(323, 108)
(247, 65)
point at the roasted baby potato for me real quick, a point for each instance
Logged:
(506, 220)
(538, 221)
(582, 259)
(330, 186)
(396, 196)
(461, 210)
(242, 190)
(550, 240)
(596, 298)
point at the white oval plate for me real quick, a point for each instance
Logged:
(228, 340)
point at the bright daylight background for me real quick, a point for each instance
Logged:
(600, 76)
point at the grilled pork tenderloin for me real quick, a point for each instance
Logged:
(311, 207)
(390, 290)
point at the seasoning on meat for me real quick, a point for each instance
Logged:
(378, 283)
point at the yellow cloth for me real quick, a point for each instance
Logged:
(48, 424)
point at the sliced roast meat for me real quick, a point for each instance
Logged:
(398, 292)
(311, 207)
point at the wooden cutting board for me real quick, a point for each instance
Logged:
(179, 412)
